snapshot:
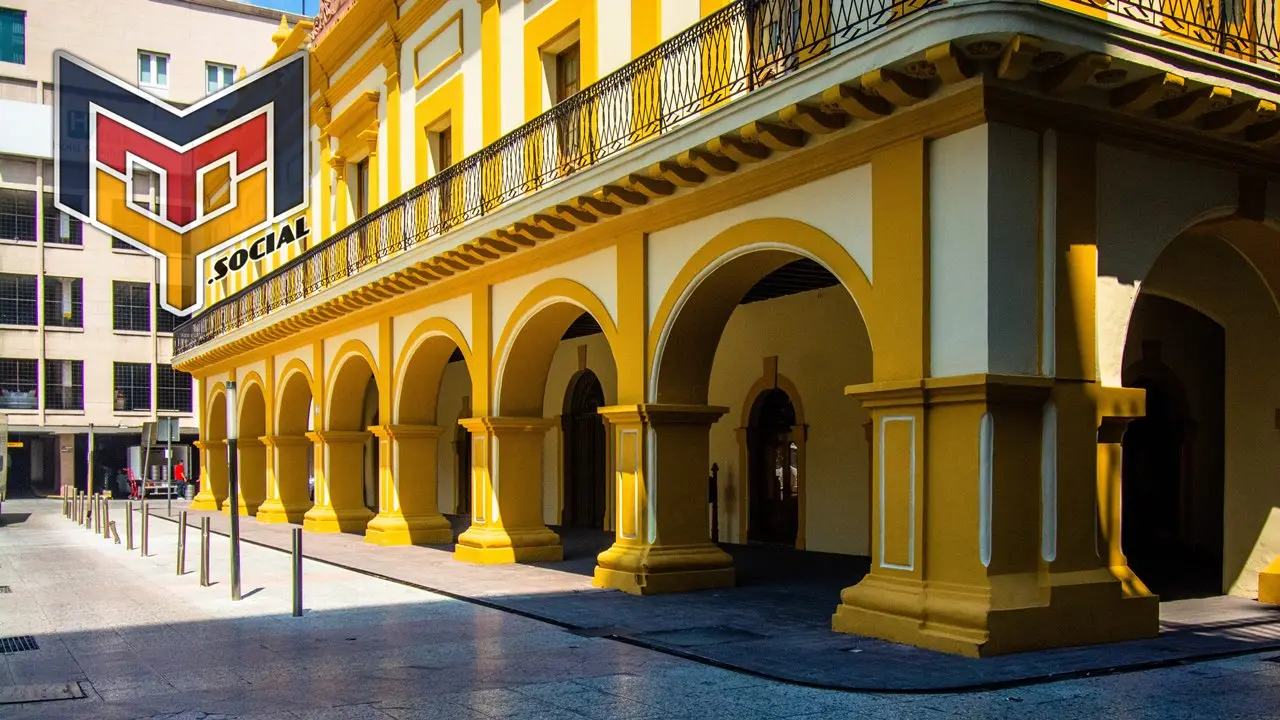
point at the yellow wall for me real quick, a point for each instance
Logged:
(821, 347)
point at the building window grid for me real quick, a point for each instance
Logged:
(63, 302)
(17, 215)
(19, 388)
(18, 299)
(165, 320)
(218, 76)
(153, 69)
(13, 36)
(59, 227)
(64, 385)
(132, 391)
(130, 306)
(173, 389)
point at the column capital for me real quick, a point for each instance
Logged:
(208, 444)
(507, 425)
(955, 389)
(337, 162)
(338, 437)
(662, 414)
(274, 441)
(406, 432)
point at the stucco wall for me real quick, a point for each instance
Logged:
(821, 347)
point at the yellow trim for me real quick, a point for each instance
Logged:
(446, 100)
(361, 112)
(295, 366)
(416, 16)
(481, 349)
(392, 84)
(250, 379)
(419, 78)
(348, 350)
(434, 327)
(551, 24)
(491, 69)
(709, 6)
(632, 358)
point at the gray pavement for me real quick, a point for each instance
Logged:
(138, 641)
(776, 623)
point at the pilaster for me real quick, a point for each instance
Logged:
(339, 504)
(287, 500)
(506, 497)
(662, 542)
(408, 514)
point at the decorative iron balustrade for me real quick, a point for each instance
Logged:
(738, 49)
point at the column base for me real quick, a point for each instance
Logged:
(641, 570)
(1086, 609)
(204, 502)
(276, 512)
(1269, 584)
(397, 529)
(328, 520)
(246, 509)
(494, 546)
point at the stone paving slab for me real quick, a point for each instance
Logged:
(769, 632)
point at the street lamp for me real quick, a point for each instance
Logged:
(233, 478)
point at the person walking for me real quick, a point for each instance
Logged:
(180, 477)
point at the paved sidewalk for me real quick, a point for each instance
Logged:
(775, 632)
(139, 641)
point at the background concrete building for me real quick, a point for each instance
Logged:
(82, 340)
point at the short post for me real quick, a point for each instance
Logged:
(64, 501)
(145, 521)
(204, 552)
(106, 518)
(75, 506)
(182, 542)
(297, 572)
(97, 513)
(128, 526)
(115, 534)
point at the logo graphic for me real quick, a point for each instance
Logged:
(181, 184)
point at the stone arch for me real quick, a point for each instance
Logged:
(420, 368)
(349, 376)
(709, 287)
(215, 420)
(252, 426)
(294, 399)
(294, 452)
(213, 436)
(529, 341)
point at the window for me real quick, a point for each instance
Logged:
(362, 188)
(444, 158)
(153, 70)
(63, 385)
(130, 306)
(574, 137)
(13, 36)
(568, 73)
(173, 389)
(165, 320)
(18, 215)
(17, 299)
(118, 244)
(63, 302)
(59, 227)
(132, 386)
(218, 76)
(18, 387)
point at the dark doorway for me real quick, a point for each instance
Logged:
(462, 449)
(372, 450)
(773, 475)
(584, 453)
(1172, 472)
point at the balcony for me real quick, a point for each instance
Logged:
(746, 46)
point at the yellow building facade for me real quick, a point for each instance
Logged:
(981, 291)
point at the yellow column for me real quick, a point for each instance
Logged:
(326, 186)
(339, 504)
(408, 513)
(491, 70)
(287, 497)
(662, 542)
(392, 84)
(340, 199)
(213, 476)
(506, 496)
(252, 459)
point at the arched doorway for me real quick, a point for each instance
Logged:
(462, 470)
(1172, 479)
(773, 471)
(371, 449)
(252, 454)
(585, 449)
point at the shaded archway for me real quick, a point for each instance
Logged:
(773, 470)
(213, 453)
(585, 448)
(508, 509)
(252, 452)
(340, 484)
(1199, 339)
(292, 452)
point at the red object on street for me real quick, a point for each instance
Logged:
(179, 473)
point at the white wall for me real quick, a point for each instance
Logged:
(455, 392)
(822, 347)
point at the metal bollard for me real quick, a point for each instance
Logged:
(128, 526)
(97, 514)
(114, 533)
(64, 501)
(297, 572)
(106, 518)
(204, 552)
(144, 528)
(182, 542)
(80, 509)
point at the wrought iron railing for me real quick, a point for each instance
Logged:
(745, 45)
